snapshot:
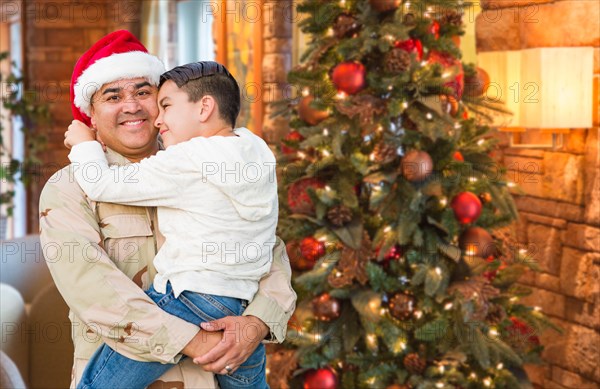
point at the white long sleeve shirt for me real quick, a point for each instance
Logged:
(217, 208)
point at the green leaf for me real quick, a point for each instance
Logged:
(315, 280)
(360, 162)
(351, 234)
(434, 330)
(450, 251)
(393, 336)
(419, 276)
(437, 224)
(311, 219)
(333, 348)
(380, 280)
(418, 238)
(433, 281)
(360, 302)
(480, 349)
(406, 227)
(506, 351)
(351, 330)
(509, 275)
(377, 177)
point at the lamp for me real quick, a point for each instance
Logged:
(545, 88)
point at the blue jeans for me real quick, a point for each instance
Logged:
(108, 369)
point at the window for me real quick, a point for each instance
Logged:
(13, 142)
(226, 31)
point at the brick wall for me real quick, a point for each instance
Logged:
(560, 211)
(277, 63)
(56, 33)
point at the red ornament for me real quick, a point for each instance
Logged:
(309, 114)
(297, 261)
(321, 379)
(294, 323)
(411, 46)
(326, 308)
(520, 330)
(457, 156)
(447, 61)
(293, 138)
(312, 249)
(349, 77)
(298, 199)
(385, 5)
(490, 275)
(394, 254)
(434, 29)
(466, 207)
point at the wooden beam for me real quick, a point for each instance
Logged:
(258, 107)
(221, 33)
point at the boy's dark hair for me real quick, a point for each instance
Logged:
(204, 78)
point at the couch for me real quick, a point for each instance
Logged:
(35, 335)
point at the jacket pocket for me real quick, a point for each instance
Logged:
(128, 241)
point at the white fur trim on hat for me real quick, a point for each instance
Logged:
(133, 64)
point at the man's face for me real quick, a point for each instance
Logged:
(123, 112)
(179, 119)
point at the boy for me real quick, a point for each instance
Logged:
(216, 193)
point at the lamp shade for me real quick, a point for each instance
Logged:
(546, 88)
(557, 84)
(504, 69)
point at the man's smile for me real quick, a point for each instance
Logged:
(133, 123)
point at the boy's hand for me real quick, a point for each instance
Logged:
(78, 133)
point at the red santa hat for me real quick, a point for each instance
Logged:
(117, 56)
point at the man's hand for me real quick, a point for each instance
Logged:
(242, 335)
(78, 133)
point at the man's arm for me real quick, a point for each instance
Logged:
(94, 288)
(266, 316)
(275, 300)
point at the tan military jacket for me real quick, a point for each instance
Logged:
(100, 255)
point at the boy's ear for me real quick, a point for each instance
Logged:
(207, 107)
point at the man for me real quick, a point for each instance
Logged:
(98, 252)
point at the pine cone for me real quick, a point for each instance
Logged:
(452, 17)
(495, 314)
(397, 61)
(345, 25)
(339, 215)
(385, 153)
(414, 363)
(401, 306)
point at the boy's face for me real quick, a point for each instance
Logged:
(178, 118)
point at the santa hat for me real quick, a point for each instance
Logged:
(117, 56)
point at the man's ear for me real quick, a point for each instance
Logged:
(207, 107)
(92, 117)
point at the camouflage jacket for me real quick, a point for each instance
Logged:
(100, 255)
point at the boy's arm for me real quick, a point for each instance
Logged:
(155, 181)
(95, 290)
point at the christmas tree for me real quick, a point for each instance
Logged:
(396, 216)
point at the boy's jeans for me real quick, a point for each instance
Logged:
(109, 369)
